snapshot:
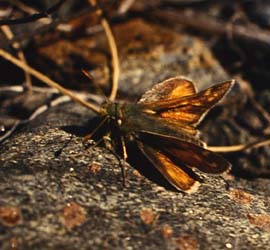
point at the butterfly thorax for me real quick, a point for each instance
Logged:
(131, 119)
(119, 114)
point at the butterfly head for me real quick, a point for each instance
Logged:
(114, 112)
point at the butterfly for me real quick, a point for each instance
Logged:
(163, 124)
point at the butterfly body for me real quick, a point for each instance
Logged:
(132, 119)
(164, 126)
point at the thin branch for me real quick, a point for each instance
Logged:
(238, 148)
(48, 81)
(31, 11)
(8, 33)
(36, 113)
(115, 59)
(10, 131)
(114, 52)
(57, 23)
(204, 23)
(125, 6)
(83, 95)
(33, 17)
(20, 5)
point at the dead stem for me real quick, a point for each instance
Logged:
(113, 49)
(125, 6)
(9, 35)
(35, 16)
(36, 113)
(23, 7)
(238, 148)
(86, 96)
(204, 23)
(48, 81)
(31, 11)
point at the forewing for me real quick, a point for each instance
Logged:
(173, 173)
(184, 127)
(189, 154)
(172, 88)
(189, 110)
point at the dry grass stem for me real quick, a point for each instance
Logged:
(240, 147)
(48, 81)
(114, 51)
(9, 35)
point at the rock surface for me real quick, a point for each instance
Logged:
(43, 184)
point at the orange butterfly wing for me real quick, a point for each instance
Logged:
(187, 110)
(171, 88)
(186, 153)
(177, 104)
(176, 176)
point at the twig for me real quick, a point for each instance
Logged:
(115, 60)
(49, 82)
(4, 12)
(20, 5)
(33, 17)
(57, 23)
(32, 11)
(204, 23)
(8, 33)
(113, 49)
(125, 6)
(83, 95)
(29, 10)
(37, 112)
(10, 131)
(238, 148)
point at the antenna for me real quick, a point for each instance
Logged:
(99, 89)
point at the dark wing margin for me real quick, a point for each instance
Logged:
(189, 154)
(176, 176)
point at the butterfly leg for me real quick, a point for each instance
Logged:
(89, 136)
(122, 161)
(122, 165)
